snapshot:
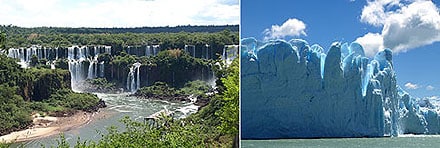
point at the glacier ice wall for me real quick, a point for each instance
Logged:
(292, 90)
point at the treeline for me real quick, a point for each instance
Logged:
(166, 37)
(216, 41)
(83, 30)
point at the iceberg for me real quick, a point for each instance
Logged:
(292, 90)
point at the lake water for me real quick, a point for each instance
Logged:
(415, 141)
(118, 106)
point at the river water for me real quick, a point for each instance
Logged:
(118, 106)
(419, 141)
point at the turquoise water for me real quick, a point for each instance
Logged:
(397, 142)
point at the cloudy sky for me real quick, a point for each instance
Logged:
(118, 13)
(411, 28)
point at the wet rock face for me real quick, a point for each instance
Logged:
(292, 90)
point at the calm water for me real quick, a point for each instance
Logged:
(397, 142)
(118, 106)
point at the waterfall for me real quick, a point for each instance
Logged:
(128, 49)
(207, 50)
(93, 67)
(56, 54)
(90, 71)
(52, 65)
(71, 52)
(96, 68)
(147, 51)
(130, 80)
(76, 69)
(224, 53)
(133, 83)
(208, 74)
(76, 56)
(191, 49)
(138, 81)
(101, 69)
(229, 53)
(108, 49)
(77, 63)
(155, 49)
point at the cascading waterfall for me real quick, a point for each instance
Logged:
(229, 53)
(101, 69)
(90, 74)
(130, 79)
(25, 54)
(207, 50)
(79, 56)
(133, 83)
(138, 81)
(155, 49)
(147, 50)
(52, 65)
(93, 68)
(191, 49)
(224, 53)
(78, 59)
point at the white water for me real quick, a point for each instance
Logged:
(207, 51)
(148, 51)
(77, 63)
(101, 69)
(133, 83)
(191, 49)
(156, 49)
(229, 53)
(25, 54)
(118, 106)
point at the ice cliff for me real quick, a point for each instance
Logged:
(293, 90)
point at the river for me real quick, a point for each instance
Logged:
(118, 106)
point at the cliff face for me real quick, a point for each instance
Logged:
(116, 64)
(293, 90)
(41, 83)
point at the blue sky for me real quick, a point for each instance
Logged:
(410, 28)
(118, 13)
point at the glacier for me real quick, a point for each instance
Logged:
(290, 89)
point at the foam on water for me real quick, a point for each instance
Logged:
(119, 106)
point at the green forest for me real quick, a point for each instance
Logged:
(55, 37)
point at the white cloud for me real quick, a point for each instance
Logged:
(371, 42)
(375, 11)
(405, 26)
(410, 85)
(117, 13)
(292, 27)
(429, 87)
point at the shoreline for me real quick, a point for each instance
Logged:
(49, 126)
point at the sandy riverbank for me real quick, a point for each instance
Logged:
(47, 126)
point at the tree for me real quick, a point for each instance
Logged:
(229, 112)
(2, 41)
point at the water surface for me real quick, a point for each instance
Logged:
(415, 141)
(118, 106)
